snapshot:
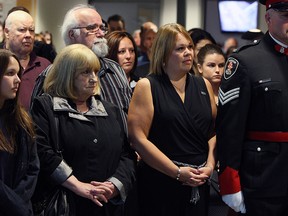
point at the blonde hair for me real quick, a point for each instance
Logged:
(164, 44)
(70, 62)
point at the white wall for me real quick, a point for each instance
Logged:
(168, 12)
(50, 15)
(262, 23)
(194, 14)
(134, 13)
(127, 10)
(6, 6)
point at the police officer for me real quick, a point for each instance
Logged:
(252, 122)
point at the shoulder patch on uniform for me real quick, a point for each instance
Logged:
(231, 67)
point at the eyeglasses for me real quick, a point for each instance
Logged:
(92, 29)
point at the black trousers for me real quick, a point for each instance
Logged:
(276, 206)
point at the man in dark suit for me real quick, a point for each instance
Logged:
(252, 122)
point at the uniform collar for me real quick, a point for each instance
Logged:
(280, 47)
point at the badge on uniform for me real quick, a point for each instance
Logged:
(230, 67)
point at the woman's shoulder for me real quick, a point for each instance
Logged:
(108, 105)
(43, 101)
(143, 83)
(44, 97)
(197, 80)
(111, 109)
(201, 84)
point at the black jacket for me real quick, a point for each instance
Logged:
(15, 199)
(253, 98)
(94, 145)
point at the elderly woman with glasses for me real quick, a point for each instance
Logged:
(97, 165)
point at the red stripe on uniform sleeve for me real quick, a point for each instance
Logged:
(229, 181)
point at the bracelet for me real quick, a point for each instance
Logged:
(178, 174)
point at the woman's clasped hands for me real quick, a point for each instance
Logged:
(109, 191)
(195, 177)
(98, 192)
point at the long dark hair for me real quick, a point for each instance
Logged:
(113, 41)
(13, 115)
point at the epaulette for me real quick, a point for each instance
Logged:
(253, 43)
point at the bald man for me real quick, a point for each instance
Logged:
(19, 38)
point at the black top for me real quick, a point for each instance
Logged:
(7, 161)
(18, 176)
(181, 130)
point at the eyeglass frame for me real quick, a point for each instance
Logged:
(94, 28)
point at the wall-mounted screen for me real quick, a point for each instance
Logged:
(238, 16)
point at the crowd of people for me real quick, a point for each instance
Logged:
(137, 124)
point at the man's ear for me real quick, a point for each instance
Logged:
(267, 18)
(71, 34)
(6, 31)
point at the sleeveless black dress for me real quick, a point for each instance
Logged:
(181, 131)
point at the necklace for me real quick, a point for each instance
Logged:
(83, 112)
(179, 89)
(82, 107)
(180, 92)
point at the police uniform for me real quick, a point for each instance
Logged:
(252, 127)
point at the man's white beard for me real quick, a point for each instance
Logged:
(100, 47)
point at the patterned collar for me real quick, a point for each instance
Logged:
(106, 66)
